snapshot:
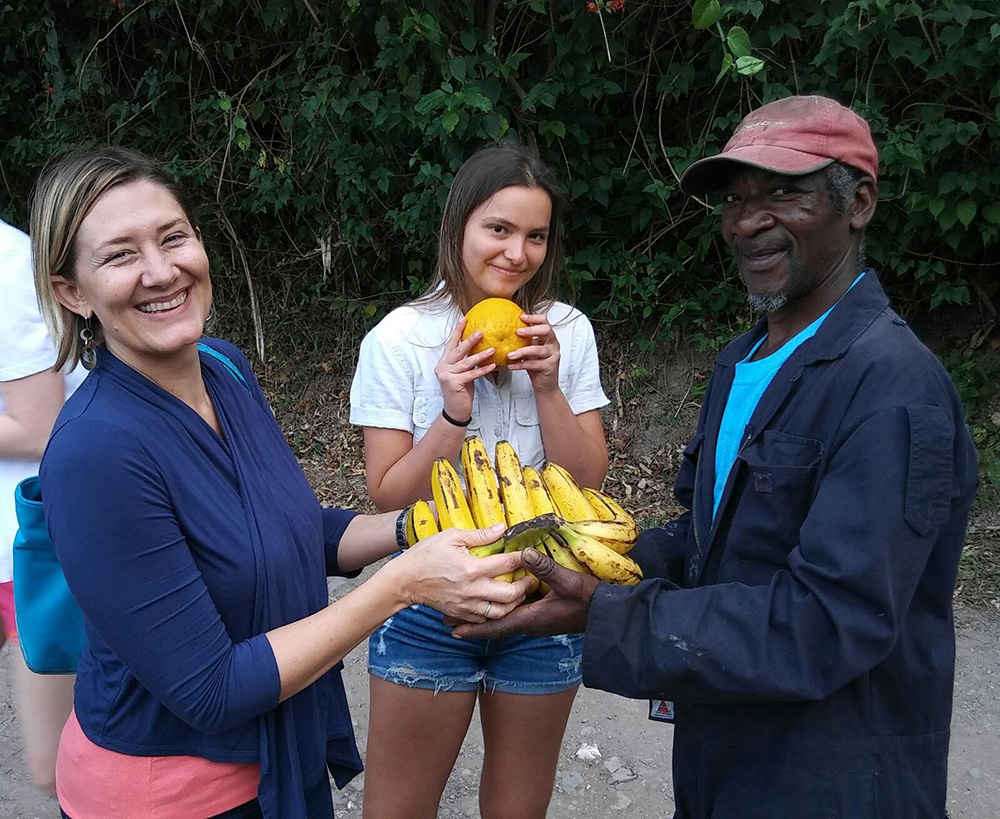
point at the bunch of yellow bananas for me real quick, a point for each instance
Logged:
(581, 529)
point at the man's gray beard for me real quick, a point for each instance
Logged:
(766, 303)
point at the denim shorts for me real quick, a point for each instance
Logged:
(415, 648)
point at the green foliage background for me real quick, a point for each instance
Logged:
(321, 137)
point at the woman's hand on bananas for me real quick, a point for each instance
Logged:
(540, 359)
(440, 572)
(456, 371)
(563, 610)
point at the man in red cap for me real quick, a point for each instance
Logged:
(796, 622)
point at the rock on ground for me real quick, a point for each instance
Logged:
(631, 777)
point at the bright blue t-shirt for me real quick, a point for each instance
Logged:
(752, 378)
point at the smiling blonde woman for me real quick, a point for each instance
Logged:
(210, 681)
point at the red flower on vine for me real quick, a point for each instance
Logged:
(50, 90)
(607, 5)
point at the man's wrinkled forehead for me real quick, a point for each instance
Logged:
(737, 174)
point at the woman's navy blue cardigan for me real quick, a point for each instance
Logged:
(182, 548)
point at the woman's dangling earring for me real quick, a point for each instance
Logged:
(88, 357)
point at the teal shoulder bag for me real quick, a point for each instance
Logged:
(49, 622)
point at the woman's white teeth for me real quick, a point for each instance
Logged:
(160, 306)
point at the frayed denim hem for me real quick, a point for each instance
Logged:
(432, 681)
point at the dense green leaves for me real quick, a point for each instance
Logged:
(322, 137)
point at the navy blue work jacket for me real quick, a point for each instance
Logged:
(810, 646)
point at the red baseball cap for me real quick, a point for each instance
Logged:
(794, 136)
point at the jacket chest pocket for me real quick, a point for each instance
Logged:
(779, 474)
(526, 432)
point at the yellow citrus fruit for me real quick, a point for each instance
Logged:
(497, 319)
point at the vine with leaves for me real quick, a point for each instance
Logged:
(321, 138)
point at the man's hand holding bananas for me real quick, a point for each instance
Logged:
(563, 610)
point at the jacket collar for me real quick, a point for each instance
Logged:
(856, 310)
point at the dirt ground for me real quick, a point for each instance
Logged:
(631, 777)
(653, 411)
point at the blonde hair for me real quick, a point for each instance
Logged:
(62, 197)
(484, 173)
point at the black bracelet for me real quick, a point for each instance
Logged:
(453, 422)
(401, 527)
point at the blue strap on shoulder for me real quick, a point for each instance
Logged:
(225, 360)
